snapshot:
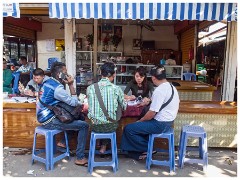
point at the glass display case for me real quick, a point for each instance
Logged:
(105, 56)
(84, 61)
(174, 72)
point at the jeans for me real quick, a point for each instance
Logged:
(77, 125)
(136, 135)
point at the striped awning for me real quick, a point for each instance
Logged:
(152, 11)
(11, 9)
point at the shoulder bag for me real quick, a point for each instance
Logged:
(64, 112)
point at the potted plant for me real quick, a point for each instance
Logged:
(89, 38)
(116, 40)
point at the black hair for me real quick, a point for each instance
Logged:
(107, 69)
(56, 68)
(159, 72)
(23, 58)
(38, 72)
(143, 73)
(171, 56)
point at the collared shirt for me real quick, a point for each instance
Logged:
(112, 96)
(24, 68)
(35, 85)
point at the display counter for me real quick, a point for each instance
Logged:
(194, 90)
(219, 119)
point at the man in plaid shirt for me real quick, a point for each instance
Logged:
(112, 95)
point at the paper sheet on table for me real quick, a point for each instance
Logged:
(20, 99)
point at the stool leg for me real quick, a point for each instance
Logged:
(115, 149)
(113, 154)
(205, 152)
(67, 146)
(89, 154)
(183, 152)
(172, 165)
(92, 153)
(48, 150)
(149, 152)
(180, 148)
(52, 144)
(34, 146)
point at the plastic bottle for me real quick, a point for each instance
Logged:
(162, 61)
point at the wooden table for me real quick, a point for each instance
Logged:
(219, 119)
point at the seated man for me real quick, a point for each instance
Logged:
(7, 78)
(52, 92)
(135, 136)
(25, 67)
(112, 95)
(34, 84)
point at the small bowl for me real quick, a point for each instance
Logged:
(5, 95)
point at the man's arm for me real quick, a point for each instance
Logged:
(148, 116)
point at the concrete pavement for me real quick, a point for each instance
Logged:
(17, 163)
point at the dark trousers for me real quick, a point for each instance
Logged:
(105, 128)
(136, 135)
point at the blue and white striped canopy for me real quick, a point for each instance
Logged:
(11, 9)
(161, 11)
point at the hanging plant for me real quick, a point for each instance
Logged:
(89, 38)
(116, 40)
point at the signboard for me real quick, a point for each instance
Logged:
(60, 46)
(7, 7)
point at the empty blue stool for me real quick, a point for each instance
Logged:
(50, 147)
(198, 132)
(92, 151)
(171, 162)
(188, 76)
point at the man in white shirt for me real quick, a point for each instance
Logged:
(155, 121)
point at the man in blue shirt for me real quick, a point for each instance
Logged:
(53, 92)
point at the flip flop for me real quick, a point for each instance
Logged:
(59, 144)
(153, 152)
(84, 164)
(142, 157)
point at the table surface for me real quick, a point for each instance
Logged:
(193, 85)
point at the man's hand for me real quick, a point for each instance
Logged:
(21, 87)
(69, 80)
(144, 102)
(29, 92)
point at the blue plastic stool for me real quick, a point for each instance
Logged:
(92, 151)
(193, 131)
(188, 76)
(171, 162)
(50, 147)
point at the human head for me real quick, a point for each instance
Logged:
(140, 75)
(38, 75)
(159, 72)
(171, 56)
(4, 64)
(57, 69)
(108, 69)
(23, 60)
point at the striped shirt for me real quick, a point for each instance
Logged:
(112, 96)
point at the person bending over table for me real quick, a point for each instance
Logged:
(139, 86)
(136, 135)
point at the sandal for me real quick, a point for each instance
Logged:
(85, 164)
(142, 157)
(60, 144)
(153, 152)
